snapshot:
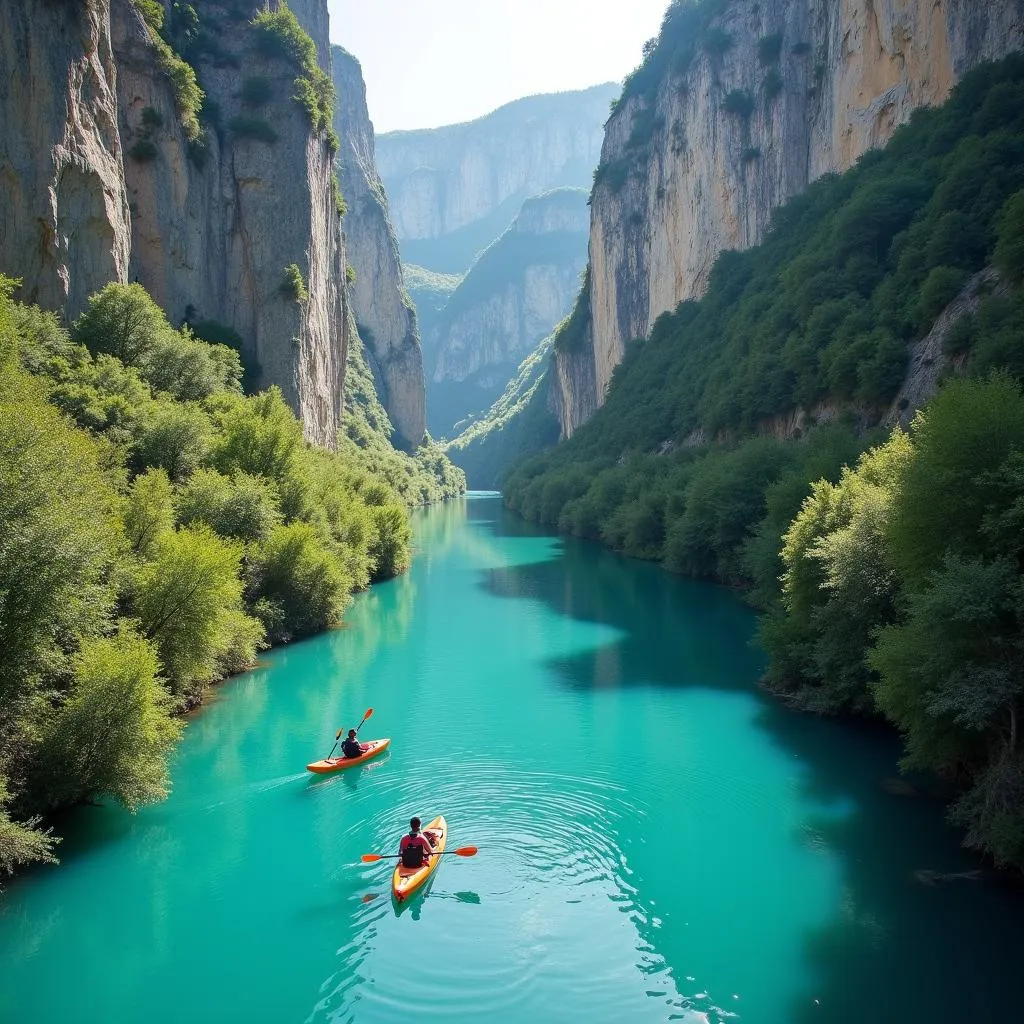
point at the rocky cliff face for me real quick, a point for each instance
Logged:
(777, 95)
(387, 323)
(510, 300)
(64, 221)
(114, 190)
(214, 228)
(454, 189)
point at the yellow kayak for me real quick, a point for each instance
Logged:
(405, 881)
(335, 764)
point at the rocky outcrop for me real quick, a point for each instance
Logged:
(64, 219)
(511, 299)
(101, 183)
(454, 189)
(387, 322)
(778, 95)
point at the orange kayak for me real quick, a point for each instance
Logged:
(335, 764)
(405, 881)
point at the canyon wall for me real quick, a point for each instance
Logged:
(775, 96)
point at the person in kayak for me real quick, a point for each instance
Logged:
(351, 747)
(415, 846)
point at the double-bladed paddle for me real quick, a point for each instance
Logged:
(462, 851)
(369, 712)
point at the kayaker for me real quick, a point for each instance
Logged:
(415, 846)
(351, 747)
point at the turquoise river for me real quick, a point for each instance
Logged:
(658, 840)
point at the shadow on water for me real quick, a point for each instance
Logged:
(905, 944)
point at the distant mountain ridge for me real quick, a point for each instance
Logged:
(513, 296)
(453, 190)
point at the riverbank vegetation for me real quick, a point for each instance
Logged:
(158, 528)
(886, 565)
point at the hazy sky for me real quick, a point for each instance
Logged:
(433, 62)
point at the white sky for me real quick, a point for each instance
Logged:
(432, 62)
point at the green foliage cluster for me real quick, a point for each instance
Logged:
(423, 477)
(685, 31)
(160, 528)
(256, 91)
(245, 127)
(769, 48)
(772, 84)
(900, 576)
(902, 593)
(188, 96)
(739, 103)
(279, 35)
(571, 334)
(336, 197)
(519, 420)
(293, 284)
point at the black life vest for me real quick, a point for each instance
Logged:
(412, 855)
(351, 748)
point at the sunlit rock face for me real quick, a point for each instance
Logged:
(101, 184)
(848, 72)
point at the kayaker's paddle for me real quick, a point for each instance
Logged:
(462, 851)
(369, 712)
(337, 737)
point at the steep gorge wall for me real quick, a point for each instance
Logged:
(387, 323)
(65, 227)
(521, 287)
(207, 230)
(848, 73)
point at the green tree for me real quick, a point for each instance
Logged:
(244, 507)
(59, 539)
(1009, 254)
(112, 734)
(123, 321)
(301, 586)
(176, 439)
(148, 512)
(182, 598)
(21, 842)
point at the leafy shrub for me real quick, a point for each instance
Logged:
(279, 34)
(256, 91)
(738, 102)
(252, 128)
(716, 43)
(144, 150)
(769, 48)
(772, 83)
(294, 286)
(152, 119)
(336, 196)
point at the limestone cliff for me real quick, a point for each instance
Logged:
(214, 226)
(453, 190)
(64, 219)
(766, 98)
(102, 182)
(387, 323)
(511, 299)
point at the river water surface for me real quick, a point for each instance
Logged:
(658, 841)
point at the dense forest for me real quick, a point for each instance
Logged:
(158, 528)
(887, 566)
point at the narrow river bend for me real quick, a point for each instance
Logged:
(658, 841)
